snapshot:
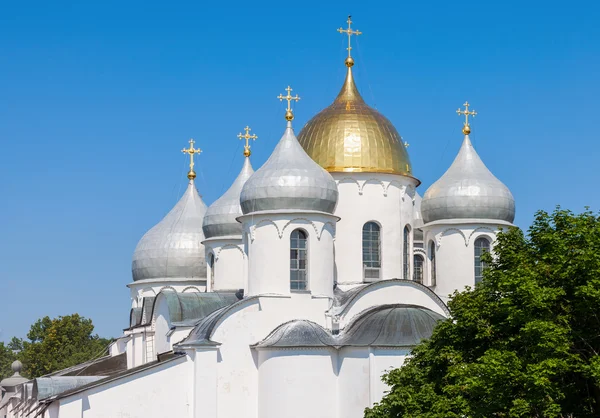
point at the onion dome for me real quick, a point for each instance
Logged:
(350, 136)
(220, 219)
(173, 248)
(16, 378)
(289, 180)
(468, 190)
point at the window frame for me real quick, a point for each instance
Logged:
(477, 263)
(421, 269)
(432, 263)
(371, 268)
(298, 259)
(406, 252)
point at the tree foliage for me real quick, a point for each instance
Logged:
(53, 344)
(523, 343)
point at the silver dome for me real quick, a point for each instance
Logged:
(289, 179)
(468, 190)
(220, 218)
(173, 248)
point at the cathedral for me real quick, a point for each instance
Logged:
(298, 288)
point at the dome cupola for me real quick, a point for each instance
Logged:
(468, 190)
(350, 136)
(173, 248)
(220, 219)
(290, 179)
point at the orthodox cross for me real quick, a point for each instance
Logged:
(289, 116)
(349, 32)
(467, 113)
(191, 151)
(247, 137)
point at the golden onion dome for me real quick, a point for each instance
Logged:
(350, 136)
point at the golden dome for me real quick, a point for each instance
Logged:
(350, 136)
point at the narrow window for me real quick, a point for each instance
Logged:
(482, 245)
(298, 260)
(211, 262)
(406, 253)
(371, 238)
(432, 263)
(418, 268)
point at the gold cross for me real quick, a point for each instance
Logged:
(247, 136)
(349, 32)
(289, 116)
(191, 151)
(466, 128)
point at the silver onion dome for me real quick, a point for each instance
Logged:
(220, 219)
(289, 180)
(468, 190)
(173, 248)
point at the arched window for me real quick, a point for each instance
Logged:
(433, 275)
(211, 263)
(298, 260)
(406, 253)
(371, 240)
(418, 268)
(482, 245)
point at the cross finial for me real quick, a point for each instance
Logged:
(466, 128)
(191, 151)
(289, 116)
(247, 137)
(349, 60)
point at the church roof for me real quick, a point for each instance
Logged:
(192, 306)
(289, 180)
(351, 136)
(221, 217)
(298, 333)
(468, 190)
(173, 248)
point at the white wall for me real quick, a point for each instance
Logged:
(384, 198)
(162, 391)
(455, 263)
(297, 383)
(230, 264)
(268, 251)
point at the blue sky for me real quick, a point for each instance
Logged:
(98, 98)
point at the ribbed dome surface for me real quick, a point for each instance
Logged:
(289, 180)
(173, 248)
(350, 136)
(220, 218)
(468, 190)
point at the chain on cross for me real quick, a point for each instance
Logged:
(289, 116)
(191, 151)
(247, 137)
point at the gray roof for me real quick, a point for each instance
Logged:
(289, 180)
(220, 219)
(382, 326)
(299, 333)
(135, 317)
(391, 326)
(46, 387)
(468, 190)
(187, 308)
(173, 248)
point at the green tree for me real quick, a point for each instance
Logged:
(523, 343)
(54, 344)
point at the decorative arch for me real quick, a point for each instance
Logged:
(438, 237)
(332, 228)
(237, 247)
(167, 288)
(300, 219)
(263, 221)
(374, 181)
(397, 184)
(482, 228)
(194, 288)
(351, 180)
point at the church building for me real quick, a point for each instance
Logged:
(293, 293)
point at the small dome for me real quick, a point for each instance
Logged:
(468, 190)
(351, 136)
(298, 333)
(173, 248)
(289, 179)
(391, 326)
(220, 219)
